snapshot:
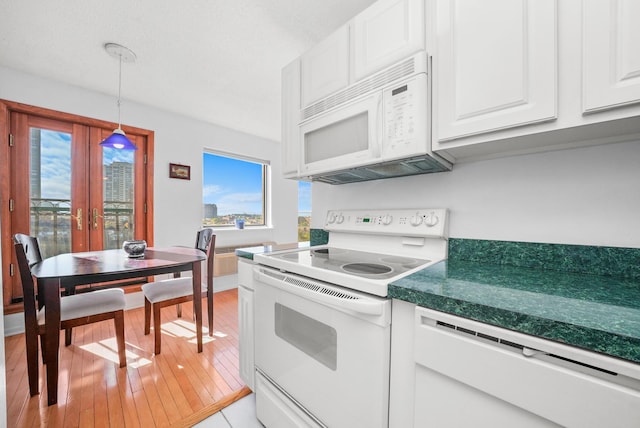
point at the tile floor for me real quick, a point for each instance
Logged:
(241, 414)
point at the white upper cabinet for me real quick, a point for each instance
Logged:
(383, 34)
(495, 65)
(290, 144)
(611, 54)
(387, 32)
(325, 67)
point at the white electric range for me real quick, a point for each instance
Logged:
(322, 319)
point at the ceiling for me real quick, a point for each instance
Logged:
(213, 60)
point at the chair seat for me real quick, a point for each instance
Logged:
(167, 289)
(88, 304)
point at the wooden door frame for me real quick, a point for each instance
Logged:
(8, 107)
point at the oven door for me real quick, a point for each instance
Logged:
(324, 349)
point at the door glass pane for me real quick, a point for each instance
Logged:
(118, 194)
(50, 190)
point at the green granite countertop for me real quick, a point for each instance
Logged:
(593, 312)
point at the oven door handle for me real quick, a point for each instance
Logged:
(319, 293)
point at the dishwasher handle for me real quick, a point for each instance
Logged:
(320, 292)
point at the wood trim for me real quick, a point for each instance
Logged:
(58, 115)
(5, 232)
(149, 169)
(200, 415)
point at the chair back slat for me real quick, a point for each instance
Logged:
(206, 242)
(31, 247)
(28, 289)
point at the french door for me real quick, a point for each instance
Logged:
(70, 192)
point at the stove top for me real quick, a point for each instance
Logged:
(369, 249)
(352, 262)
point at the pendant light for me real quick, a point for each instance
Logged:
(118, 140)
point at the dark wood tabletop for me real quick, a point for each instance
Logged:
(111, 265)
(72, 269)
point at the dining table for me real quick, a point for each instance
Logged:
(106, 268)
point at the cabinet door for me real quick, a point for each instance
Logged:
(385, 33)
(290, 119)
(246, 347)
(495, 65)
(506, 384)
(325, 68)
(611, 52)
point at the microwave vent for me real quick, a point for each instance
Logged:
(398, 168)
(379, 80)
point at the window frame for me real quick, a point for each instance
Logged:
(266, 186)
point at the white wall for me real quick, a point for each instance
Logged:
(586, 196)
(178, 139)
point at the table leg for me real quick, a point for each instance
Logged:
(197, 300)
(51, 290)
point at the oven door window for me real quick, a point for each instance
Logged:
(314, 338)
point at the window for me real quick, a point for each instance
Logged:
(233, 189)
(304, 211)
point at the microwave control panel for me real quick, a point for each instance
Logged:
(406, 118)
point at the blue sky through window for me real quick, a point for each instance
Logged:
(304, 198)
(55, 162)
(235, 186)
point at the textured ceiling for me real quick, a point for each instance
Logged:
(214, 60)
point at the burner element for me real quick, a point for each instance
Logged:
(366, 268)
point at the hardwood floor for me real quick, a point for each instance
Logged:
(176, 388)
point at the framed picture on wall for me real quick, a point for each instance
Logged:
(182, 172)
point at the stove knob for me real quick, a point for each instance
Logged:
(386, 219)
(331, 218)
(416, 220)
(431, 219)
(339, 219)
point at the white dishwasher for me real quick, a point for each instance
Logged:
(462, 373)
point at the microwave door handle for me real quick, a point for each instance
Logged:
(380, 124)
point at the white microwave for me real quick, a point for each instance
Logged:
(383, 132)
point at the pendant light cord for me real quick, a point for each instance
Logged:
(119, 90)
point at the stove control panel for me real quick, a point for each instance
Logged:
(427, 222)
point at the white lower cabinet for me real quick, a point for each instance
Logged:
(453, 372)
(246, 322)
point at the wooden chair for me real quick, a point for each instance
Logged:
(175, 291)
(75, 310)
(32, 249)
